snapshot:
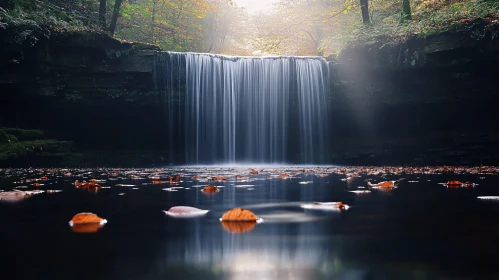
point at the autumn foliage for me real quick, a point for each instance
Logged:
(210, 189)
(92, 185)
(86, 218)
(171, 179)
(239, 214)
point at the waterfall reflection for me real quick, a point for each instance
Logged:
(269, 251)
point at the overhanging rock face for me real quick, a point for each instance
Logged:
(471, 41)
(421, 100)
(456, 64)
(76, 62)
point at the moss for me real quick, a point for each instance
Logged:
(11, 151)
(48, 146)
(3, 137)
(24, 134)
(12, 138)
(14, 151)
(7, 138)
(53, 152)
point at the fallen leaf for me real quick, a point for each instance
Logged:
(185, 211)
(338, 206)
(210, 189)
(86, 218)
(239, 214)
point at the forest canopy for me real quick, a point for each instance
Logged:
(281, 27)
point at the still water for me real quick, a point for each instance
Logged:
(419, 230)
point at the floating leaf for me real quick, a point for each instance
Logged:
(239, 214)
(210, 189)
(185, 211)
(334, 206)
(87, 218)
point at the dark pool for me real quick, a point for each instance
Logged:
(420, 230)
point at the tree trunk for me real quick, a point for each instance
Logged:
(364, 8)
(102, 13)
(153, 40)
(114, 17)
(406, 10)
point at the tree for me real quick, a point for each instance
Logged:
(114, 17)
(297, 27)
(364, 8)
(153, 20)
(406, 10)
(217, 24)
(102, 13)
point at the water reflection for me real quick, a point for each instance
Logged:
(300, 251)
(267, 251)
(417, 231)
(87, 228)
(294, 243)
(238, 227)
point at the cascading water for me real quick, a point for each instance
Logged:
(230, 110)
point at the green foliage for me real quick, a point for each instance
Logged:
(32, 142)
(28, 21)
(175, 25)
(33, 145)
(11, 151)
(48, 146)
(179, 25)
(452, 15)
(7, 138)
(308, 27)
(3, 137)
(10, 148)
(45, 148)
(292, 27)
(27, 26)
(269, 44)
(12, 138)
(23, 134)
(427, 20)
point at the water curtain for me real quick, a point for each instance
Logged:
(224, 109)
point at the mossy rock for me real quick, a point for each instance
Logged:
(12, 151)
(24, 134)
(4, 138)
(12, 138)
(48, 146)
(7, 138)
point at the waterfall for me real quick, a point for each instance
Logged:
(224, 109)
